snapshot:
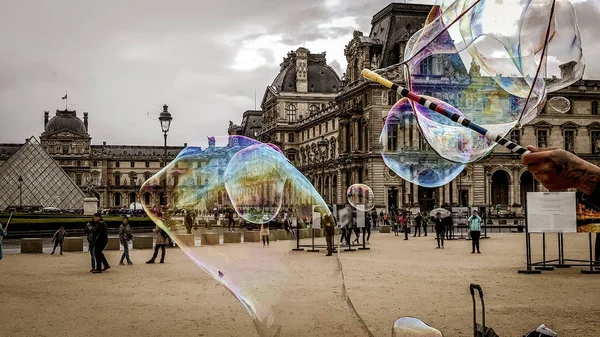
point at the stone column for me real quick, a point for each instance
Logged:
(517, 186)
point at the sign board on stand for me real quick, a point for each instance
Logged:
(460, 215)
(360, 216)
(551, 212)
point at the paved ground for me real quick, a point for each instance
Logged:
(43, 295)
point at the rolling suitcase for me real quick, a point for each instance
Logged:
(480, 330)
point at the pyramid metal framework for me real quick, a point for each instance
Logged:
(44, 183)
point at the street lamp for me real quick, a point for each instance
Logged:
(323, 149)
(165, 119)
(133, 180)
(20, 193)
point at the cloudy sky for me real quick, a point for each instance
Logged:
(122, 60)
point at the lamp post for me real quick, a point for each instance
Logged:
(165, 119)
(323, 150)
(133, 180)
(20, 193)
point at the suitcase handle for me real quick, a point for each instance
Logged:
(472, 288)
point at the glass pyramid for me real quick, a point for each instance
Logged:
(45, 184)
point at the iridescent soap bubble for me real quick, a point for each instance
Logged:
(406, 152)
(494, 69)
(361, 197)
(560, 104)
(210, 183)
(413, 327)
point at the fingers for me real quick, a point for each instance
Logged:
(538, 156)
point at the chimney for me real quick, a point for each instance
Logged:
(302, 69)
(46, 117)
(103, 143)
(184, 144)
(85, 120)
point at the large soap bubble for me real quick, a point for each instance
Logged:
(493, 62)
(361, 197)
(413, 327)
(256, 184)
(406, 152)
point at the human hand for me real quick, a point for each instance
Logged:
(559, 170)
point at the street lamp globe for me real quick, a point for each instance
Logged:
(165, 119)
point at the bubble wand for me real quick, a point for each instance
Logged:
(490, 135)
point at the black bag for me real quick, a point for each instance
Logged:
(480, 330)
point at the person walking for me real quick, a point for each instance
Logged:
(367, 230)
(189, 222)
(162, 238)
(374, 218)
(448, 223)
(125, 235)
(405, 224)
(355, 229)
(475, 231)
(417, 226)
(89, 230)
(264, 233)
(2, 235)
(58, 239)
(424, 223)
(100, 239)
(439, 230)
(230, 222)
(329, 225)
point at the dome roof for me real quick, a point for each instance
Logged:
(321, 77)
(65, 120)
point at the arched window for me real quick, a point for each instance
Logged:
(313, 109)
(161, 199)
(290, 111)
(117, 197)
(500, 181)
(132, 198)
(594, 107)
(117, 179)
(527, 185)
(147, 198)
(147, 176)
(327, 193)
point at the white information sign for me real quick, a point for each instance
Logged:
(316, 220)
(551, 212)
(294, 221)
(345, 217)
(360, 217)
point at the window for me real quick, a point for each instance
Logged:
(291, 137)
(147, 198)
(595, 142)
(313, 109)
(423, 145)
(147, 164)
(95, 163)
(292, 157)
(117, 164)
(515, 136)
(132, 164)
(147, 176)
(426, 66)
(290, 111)
(542, 138)
(326, 126)
(65, 149)
(392, 137)
(117, 199)
(175, 179)
(78, 163)
(569, 141)
(391, 97)
(117, 179)
(320, 129)
(302, 135)
(594, 107)
(78, 179)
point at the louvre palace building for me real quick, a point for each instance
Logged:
(329, 127)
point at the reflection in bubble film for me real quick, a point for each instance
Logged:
(412, 327)
(361, 197)
(218, 197)
(560, 104)
(407, 153)
(487, 60)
